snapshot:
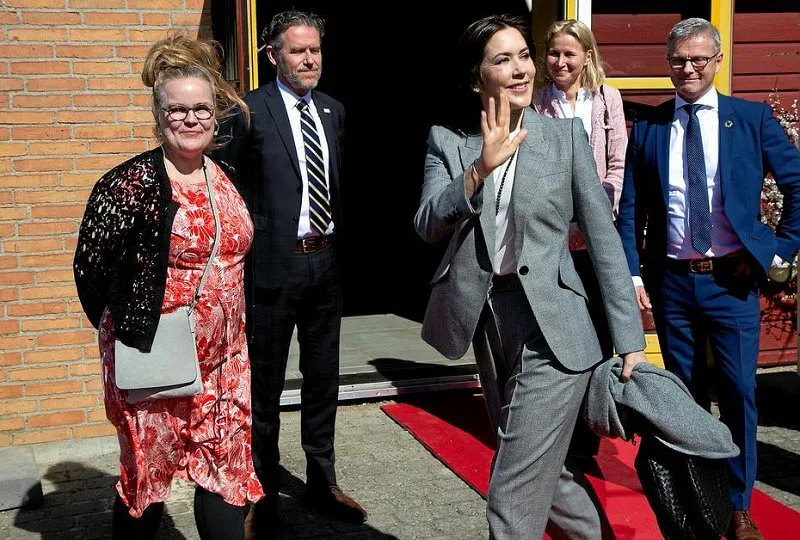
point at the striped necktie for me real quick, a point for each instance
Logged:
(699, 213)
(319, 205)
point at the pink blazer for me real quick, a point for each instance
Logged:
(608, 141)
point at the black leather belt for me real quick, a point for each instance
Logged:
(706, 265)
(312, 244)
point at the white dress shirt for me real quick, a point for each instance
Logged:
(583, 107)
(679, 242)
(290, 100)
(505, 260)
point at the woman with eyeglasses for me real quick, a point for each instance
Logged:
(144, 243)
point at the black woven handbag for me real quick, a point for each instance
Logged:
(689, 495)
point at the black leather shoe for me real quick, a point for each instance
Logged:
(333, 503)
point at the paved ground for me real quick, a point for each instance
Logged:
(408, 493)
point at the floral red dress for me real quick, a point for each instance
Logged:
(205, 438)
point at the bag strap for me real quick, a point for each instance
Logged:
(213, 201)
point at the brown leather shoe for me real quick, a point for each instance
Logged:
(333, 503)
(743, 527)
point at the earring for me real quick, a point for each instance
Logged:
(216, 127)
(476, 90)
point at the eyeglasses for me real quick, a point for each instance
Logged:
(178, 113)
(698, 62)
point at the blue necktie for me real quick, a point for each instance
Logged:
(319, 206)
(699, 214)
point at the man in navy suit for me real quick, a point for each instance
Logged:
(693, 179)
(289, 161)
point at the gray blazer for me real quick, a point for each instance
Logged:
(555, 179)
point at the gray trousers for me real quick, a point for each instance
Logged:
(533, 402)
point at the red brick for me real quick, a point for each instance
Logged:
(95, 430)
(9, 294)
(84, 368)
(9, 85)
(99, 163)
(45, 132)
(11, 424)
(39, 68)
(56, 419)
(66, 338)
(39, 325)
(40, 436)
(8, 262)
(38, 374)
(9, 17)
(83, 117)
(32, 246)
(9, 327)
(10, 359)
(110, 18)
(11, 392)
(48, 292)
(155, 19)
(28, 117)
(191, 19)
(104, 101)
(38, 261)
(96, 415)
(34, 3)
(48, 101)
(97, 4)
(118, 147)
(162, 4)
(17, 407)
(84, 51)
(37, 308)
(30, 180)
(39, 52)
(146, 132)
(7, 230)
(37, 34)
(56, 276)
(114, 35)
(132, 51)
(48, 84)
(102, 132)
(45, 389)
(48, 228)
(55, 18)
(116, 83)
(101, 68)
(76, 180)
(42, 164)
(71, 402)
(15, 278)
(136, 116)
(68, 148)
(149, 36)
(12, 149)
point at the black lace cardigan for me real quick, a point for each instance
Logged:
(123, 247)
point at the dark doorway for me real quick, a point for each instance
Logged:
(394, 75)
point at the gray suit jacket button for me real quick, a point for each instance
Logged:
(523, 270)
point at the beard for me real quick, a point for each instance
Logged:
(293, 77)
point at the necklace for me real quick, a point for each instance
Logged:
(502, 183)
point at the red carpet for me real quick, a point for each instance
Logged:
(456, 430)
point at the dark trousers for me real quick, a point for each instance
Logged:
(311, 301)
(692, 309)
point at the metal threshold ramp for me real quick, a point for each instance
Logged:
(383, 356)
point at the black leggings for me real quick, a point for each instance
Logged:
(215, 519)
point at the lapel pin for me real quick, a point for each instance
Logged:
(728, 123)
(326, 110)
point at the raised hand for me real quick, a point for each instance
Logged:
(496, 126)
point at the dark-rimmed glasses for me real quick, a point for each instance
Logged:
(178, 113)
(698, 62)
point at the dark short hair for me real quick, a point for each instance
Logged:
(272, 34)
(473, 41)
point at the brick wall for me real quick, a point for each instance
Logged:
(72, 105)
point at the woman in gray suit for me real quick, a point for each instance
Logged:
(505, 197)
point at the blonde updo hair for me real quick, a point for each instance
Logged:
(593, 74)
(181, 57)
